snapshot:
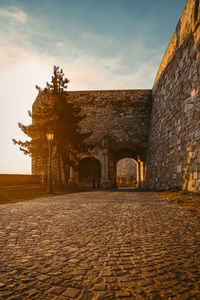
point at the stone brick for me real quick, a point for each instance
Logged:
(119, 121)
(72, 293)
(169, 145)
(176, 88)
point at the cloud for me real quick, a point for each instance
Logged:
(14, 13)
(93, 60)
(89, 59)
(100, 39)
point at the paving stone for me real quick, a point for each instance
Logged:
(32, 292)
(114, 287)
(99, 287)
(124, 294)
(106, 273)
(106, 296)
(100, 245)
(72, 292)
(87, 295)
(111, 279)
(56, 290)
(79, 272)
(42, 277)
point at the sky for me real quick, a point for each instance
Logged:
(100, 44)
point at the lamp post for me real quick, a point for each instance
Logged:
(50, 136)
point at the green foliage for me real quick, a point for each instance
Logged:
(54, 112)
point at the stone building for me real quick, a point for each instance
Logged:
(120, 122)
(158, 128)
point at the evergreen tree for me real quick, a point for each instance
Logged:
(61, 116)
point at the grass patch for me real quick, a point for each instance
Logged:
(12, 194)
(187, 200)
(18, 193)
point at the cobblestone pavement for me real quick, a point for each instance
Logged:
(99, 245)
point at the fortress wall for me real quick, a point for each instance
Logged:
(122, 115)
(174, 142)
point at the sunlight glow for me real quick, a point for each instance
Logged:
(17, 96)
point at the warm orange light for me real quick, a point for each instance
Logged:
(50, 136)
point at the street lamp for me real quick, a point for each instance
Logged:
(50, 136)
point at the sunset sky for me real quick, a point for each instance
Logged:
(100, 44)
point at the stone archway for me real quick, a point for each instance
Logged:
(126, 173)
(128, 150)
(90, 172)
(124, 125)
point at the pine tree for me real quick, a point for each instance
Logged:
(63, 118)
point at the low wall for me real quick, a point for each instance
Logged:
(16, 179)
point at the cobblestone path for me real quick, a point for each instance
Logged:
(99, 245)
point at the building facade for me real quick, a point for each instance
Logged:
(158, 128)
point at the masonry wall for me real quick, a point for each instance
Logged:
(174, 142)
(17, 179)
(124, 115)
(121, 115)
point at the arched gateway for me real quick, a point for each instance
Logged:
(119, 121)
(89, 172)
(126, 172)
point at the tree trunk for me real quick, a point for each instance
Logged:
(65, 172)
(59, 170)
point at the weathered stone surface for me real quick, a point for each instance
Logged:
(119, 121)
(121, 114)
(174, 144)
(108, 232)
(72, 293)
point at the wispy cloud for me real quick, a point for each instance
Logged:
(14, 13)
(93, 60)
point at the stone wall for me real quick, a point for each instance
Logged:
(119, 121)
(120, 114)
(174, 143)
(123, 115)
(18, 179)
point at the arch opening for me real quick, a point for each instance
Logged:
(126, 172)
(90, 172)
(136, 158)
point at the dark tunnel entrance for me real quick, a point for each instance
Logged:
(90, 172)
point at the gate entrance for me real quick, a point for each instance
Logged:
(129, 167)
(90, 172)
(119, 121)
(126, 173)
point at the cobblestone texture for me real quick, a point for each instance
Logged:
(99, 245)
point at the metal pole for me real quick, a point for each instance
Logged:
(50, 184)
